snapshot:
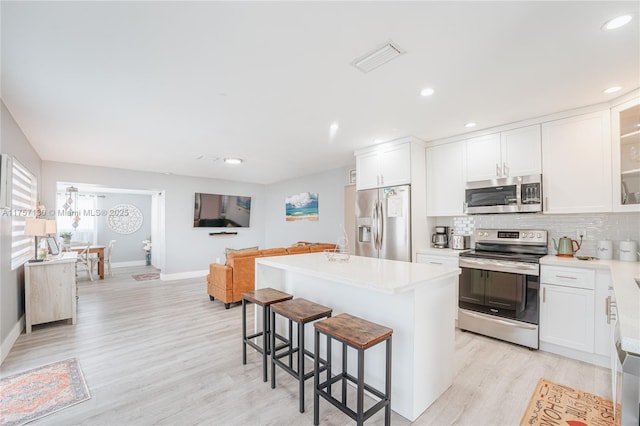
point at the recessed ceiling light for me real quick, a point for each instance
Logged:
(617, 22)
(233, 160)
(427, 91)
(470, 124)
(334, 127)
(612, 89)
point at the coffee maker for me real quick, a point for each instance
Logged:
(441, 237)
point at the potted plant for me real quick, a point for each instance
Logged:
(66, 237)
(146, 246)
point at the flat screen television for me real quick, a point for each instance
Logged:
(221, 211)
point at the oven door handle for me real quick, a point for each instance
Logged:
(531, 269)
(507, 323)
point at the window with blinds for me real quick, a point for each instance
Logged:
(24, 194)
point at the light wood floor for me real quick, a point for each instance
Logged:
(157, 352)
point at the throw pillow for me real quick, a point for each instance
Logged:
(229, 250)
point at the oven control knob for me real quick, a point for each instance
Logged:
(530, 234)
(538, 235)
(523, 235)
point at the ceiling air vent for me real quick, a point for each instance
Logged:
(377, 57)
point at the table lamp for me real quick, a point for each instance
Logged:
(51, 227)
(36, 228)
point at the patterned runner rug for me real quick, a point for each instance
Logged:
(33, 394)
(555, 404)
(146, 277)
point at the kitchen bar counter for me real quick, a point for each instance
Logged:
(627, 293)
(415, 300)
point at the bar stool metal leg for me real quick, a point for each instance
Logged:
(265, 341)
(301, 364)
(316, 375)
(244, 331)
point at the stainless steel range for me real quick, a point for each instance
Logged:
(499, 285)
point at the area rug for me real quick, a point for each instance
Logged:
(33, 394)
(555, 404)
(146, 277)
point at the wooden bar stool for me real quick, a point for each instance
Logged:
(300, 311)
(361, 335)
(264, 297)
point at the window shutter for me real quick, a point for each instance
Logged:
(24, 194)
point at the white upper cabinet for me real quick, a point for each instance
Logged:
(521, 151)
(384, 165)
(576, 164)
(511, 153)
(625, 130)
(446, 179)
(483, 155)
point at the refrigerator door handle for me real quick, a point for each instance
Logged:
(380, 225)
(374, 224)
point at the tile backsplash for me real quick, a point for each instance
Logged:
(606, 226)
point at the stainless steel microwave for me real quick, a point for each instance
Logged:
(519, 194)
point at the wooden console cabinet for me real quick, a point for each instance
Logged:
(50, 290)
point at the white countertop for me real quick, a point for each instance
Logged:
(440, 251)
(382, 275)
(626, 289)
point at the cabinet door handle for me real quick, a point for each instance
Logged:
(612, 311)
(607, 309)
(544, 295)
(498, 173)
(546, 204)
(436, 263)
(566, 277)
(505, 170)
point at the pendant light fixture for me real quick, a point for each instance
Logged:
(71, 205)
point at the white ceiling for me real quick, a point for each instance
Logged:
(154, 85)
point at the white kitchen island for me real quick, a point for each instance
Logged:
(415, 300)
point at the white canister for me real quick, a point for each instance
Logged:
(628, 251)
(605, 249)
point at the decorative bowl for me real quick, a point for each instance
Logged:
(334, 255)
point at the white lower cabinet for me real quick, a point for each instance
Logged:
(574, 313)
(602, 325)
(432, 259)
(566, 317)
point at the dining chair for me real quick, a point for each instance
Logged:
(107, 258)
(85, 260)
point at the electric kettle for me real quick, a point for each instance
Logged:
(565, 246)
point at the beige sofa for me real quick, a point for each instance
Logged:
(227, 282)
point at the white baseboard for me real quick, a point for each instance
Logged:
(183, 275)
(129, 263)
(591, 358)
(8, 343)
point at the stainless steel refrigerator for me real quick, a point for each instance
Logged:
(383, 223)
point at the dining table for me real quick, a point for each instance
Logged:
(98, 249)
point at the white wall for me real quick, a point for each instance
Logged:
(330, 189)
(12, 142)
(128, 247)
(188, 250)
